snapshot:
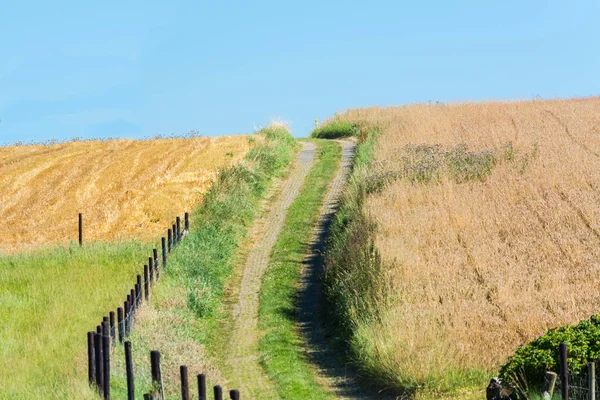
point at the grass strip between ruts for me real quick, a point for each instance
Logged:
(282, 347)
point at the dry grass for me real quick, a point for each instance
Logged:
(478, 267)
(124, 188)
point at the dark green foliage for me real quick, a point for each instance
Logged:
(526, 368)
(336, 129)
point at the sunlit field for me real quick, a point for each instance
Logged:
(124, 188)
(52, 291)
(488, 224)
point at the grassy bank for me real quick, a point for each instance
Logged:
(48, 300)
(282, 347)
(186, 310)
(358, 293)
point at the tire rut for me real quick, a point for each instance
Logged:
(332, 373)
(243, 355)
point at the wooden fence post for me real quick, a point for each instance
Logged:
(151, 265)
(170, 239)
(127, 321)
(175, 237)
(129, 372)
(187, 221)
(106, 358)
(80, 229)
(178, 227)
(91, 358)
(99, 360)
(112, 330)
(132, 305)
(146, 283)
(218, 390)
(139, 283)
(120, 323)
(592, 380)
(234, 394)
(202, 387)
(564, 371)
(156, 372)
(164, 254)
(185, 388)
(155, 255)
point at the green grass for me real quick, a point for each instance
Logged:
(336, 129)
(282, 347)
(189, 300)
(49, 299)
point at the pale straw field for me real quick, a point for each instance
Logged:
(484, 247)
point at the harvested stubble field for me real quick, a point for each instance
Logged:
(51, 296)
(124, 188)
(488, 226)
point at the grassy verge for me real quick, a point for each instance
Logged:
(48, 299)
(357, 292)
(281, 346)
(336, 129)
(187, 305)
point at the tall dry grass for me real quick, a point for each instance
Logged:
(124, 188)
(476, 267)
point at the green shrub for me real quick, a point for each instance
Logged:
(336, 129)
(525, 370)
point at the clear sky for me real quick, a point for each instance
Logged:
(137, 69)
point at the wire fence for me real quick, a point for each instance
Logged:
(103, 341)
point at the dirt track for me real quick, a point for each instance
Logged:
(243, 356)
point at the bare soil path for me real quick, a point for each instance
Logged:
(332, 373)
(242, 355)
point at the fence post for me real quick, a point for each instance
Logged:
(169, 240)
(80, 229)
(155, 255)
(146, 283)
(218, 392)
(178, 226)
(106, 356)
(564, 371)
(234, 394)
(91, 358)
(202, 387)
(175, 236)
(187, 221)
(99, 360)
(139, 283)
(156, 371)
(129, 372)
(127, 306)
(120, 323)
(164, 254)
(113, 332)
(185, 389)
(592, 380)
(131, 306)
(151, 265)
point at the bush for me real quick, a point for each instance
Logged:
(336, 129)
(526, 368)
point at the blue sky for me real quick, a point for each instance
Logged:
(137, 69)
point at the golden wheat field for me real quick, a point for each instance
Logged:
(490, 231)
(124, 188)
